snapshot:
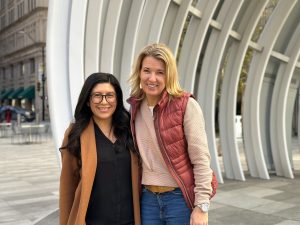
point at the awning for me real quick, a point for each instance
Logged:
(2, 92)
(28, 93)
(15, 93)
(6, 93)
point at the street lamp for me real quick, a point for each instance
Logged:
(43, 77)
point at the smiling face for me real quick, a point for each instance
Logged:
(153, 79)
(103, 101)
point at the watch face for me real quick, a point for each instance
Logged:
(204, 207)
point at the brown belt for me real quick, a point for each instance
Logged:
(159, 189)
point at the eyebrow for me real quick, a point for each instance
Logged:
(101, 93)
(159, 70)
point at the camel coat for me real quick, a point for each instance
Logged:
(75, 188)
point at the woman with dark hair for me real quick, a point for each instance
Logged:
(99, 177)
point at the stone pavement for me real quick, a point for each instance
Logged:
(29, 182)
(29, 175)
(258, 202)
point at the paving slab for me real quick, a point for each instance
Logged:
(29, 182)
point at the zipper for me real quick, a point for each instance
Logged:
(165, 155)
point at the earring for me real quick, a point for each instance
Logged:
(141, 86)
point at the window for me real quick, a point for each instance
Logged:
(11, 16)
(3, 73)
(32, 65)
(20, 8)
(2, 22)
(22, 68)
(31, 5)
(11, 72)
(2, 4)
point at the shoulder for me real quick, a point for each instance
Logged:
(68, 130)
(192, 101)
(193, 106)
(66, 135)
(183, 100)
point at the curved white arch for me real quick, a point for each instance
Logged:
(88, 36)
(177, 25)
(110, 25)
(192, 44)
(210, 70)
(237, 51)
(251, 116)
(278, 109)
(57, 70)
(92, 37)
(76, 49)
(131, 35)
(151, 25)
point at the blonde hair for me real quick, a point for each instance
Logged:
(161, 52)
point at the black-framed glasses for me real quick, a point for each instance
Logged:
(98, 97)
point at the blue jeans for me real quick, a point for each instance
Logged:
(167, 208)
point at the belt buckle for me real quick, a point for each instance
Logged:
(159, 189)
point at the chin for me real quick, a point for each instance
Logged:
(153, 93)
(103, 117)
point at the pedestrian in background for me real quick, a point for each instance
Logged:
(8, 115)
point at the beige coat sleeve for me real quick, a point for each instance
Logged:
(69, 180)
(194, 129)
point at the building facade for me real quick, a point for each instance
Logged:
(22, 55)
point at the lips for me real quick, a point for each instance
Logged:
(103, 109)
(152, 85)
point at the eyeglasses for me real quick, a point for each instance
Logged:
(98, 97)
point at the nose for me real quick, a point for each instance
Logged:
(152, 77)
(104, 99)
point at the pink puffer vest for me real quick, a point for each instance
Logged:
(168, 122)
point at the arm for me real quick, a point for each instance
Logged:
(194, 129)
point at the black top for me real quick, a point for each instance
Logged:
(111, 198)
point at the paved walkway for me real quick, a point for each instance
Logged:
(29, 182)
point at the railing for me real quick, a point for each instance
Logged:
(5, 129)
(25, 133)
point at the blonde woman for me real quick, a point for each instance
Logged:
(169, 133)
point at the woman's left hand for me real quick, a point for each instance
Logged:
(198, 217)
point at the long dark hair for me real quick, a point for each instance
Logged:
(83, 114)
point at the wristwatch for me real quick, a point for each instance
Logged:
(204, 207)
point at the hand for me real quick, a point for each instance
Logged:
(198, 217)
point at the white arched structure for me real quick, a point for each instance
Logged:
(211, 39)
